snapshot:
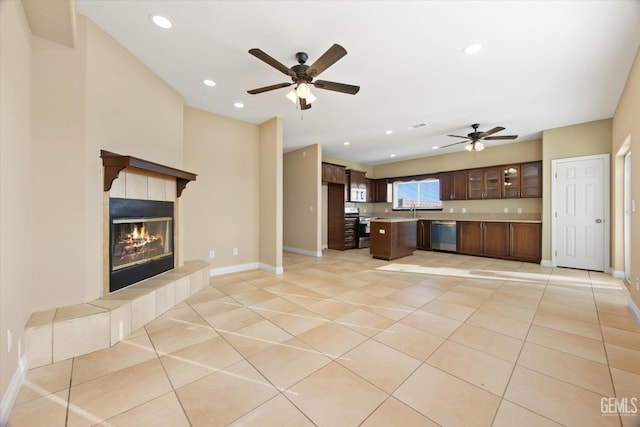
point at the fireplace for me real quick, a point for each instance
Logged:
(140, 240)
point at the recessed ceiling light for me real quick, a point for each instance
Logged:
(346, 143)
(472, 48)
(161, 21)
(388, 132)
(392, 155)
(238, 104)
(435, 147)
(208, 82)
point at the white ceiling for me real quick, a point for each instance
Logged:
(544, 64)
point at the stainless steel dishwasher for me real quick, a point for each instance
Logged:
(443, 236)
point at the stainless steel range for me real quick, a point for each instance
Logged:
(363, 226)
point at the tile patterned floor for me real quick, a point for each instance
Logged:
(345, 340)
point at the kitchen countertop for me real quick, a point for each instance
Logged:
(486, 217)
(399, 219)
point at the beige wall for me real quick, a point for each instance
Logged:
(302, 200)
(94, 96)
(221, 208)
(271, 195)
(626, 127)
(16, 266)
(583, 139)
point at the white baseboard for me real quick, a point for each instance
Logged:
(323, 247)
(634, 309)
(10, 395)
(271, 268)
(233, 269)
(546, 263)
(617, 274)
(302, 251)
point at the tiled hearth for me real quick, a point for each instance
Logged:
(66, 332)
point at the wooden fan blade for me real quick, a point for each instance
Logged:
(491, 132)
(271, 61)
(304, 105)
(337, 87)
(455, 143)
(501, 137)
(268, 88)
(458, 136)
(327, 59)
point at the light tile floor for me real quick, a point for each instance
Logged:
(346, 340)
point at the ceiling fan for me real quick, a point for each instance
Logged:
(302, 75)
(476, 138)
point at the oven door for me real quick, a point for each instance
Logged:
(364, 232)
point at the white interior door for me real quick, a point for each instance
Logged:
(579, 217)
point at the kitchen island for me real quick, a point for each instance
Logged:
(393, 238)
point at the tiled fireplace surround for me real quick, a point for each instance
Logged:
(65, 332)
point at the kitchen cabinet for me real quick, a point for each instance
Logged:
(333, 174)
(392, 238)
(453, 185)
(335, 216)
(522, 180)
(350, 225)
(371, 190)
(469, 237)
(423, 235)
(381, 191)
(357, 183)
(485, 183)
(526, 241)
(519, 241)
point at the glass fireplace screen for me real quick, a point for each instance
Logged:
(139, 240)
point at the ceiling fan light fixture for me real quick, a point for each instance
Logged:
(478, 146)
(303, 90)
(292, 96)
(469, 147)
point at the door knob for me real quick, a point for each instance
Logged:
(598, 220)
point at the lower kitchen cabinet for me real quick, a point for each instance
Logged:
(519, 241)
(350, 225)
(424, 235)
(526, 241)
(469, 237)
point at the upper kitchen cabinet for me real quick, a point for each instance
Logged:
(453, 185)
(382, 190)
(484, 183)
(333, 174)
(357, 183)
(522, 180)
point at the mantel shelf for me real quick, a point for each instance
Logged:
(113, 163)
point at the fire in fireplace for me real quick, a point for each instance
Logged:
(141, 240)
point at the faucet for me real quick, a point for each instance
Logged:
(413, 211)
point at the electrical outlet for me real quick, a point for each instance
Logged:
(310, 208)
(638, 283)
(506, 210)
(235, 251)
(212, 254)
(519, 210)
(464, 210)
(9, 340)
(451, 210)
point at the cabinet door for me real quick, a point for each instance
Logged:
(371, 190)
(459, 185)
(469, 237)
(492, 180)
(446, 186)
(333, 174)
(475, 189)
(381, 190)
(511, 178)
(531, 180)
(423, 235)
(526, 242)
(495, 238)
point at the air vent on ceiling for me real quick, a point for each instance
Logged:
(419, 125)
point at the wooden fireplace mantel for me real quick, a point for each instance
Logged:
(113, 163)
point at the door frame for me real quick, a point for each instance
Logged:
(607, 206)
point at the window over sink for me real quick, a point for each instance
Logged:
(420, 195)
